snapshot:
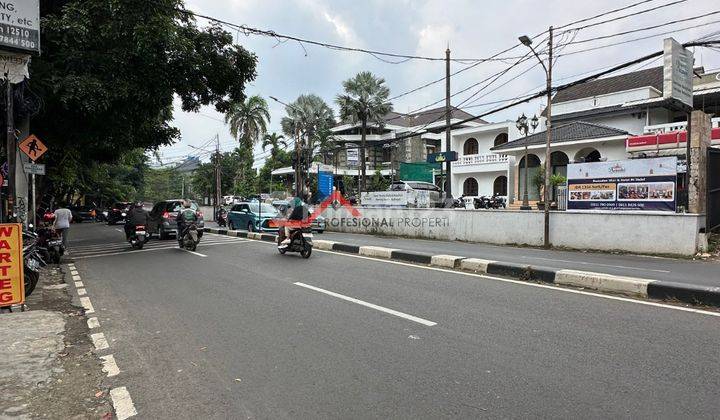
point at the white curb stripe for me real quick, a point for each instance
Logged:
(81, 292)
(85, 302)
(109, 365)
(76, 278)
(93, 323)
(79, 284)
(99, 341)
(124, 407)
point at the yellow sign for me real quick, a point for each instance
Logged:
(12, 284)
(33, 147)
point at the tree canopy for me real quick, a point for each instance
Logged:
(110, 71)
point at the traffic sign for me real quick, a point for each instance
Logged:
(12, 284)
(34, 168)
(33, 147)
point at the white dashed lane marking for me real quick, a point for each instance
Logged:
(109, 365)
(93, 323)
(99, 341)
(124, 407)
(85, 302)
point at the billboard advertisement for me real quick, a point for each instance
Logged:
(20, 25)
(637, 184)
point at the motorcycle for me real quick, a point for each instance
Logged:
(300, 241)
(222, 219)
(139, 237)
(481, 202)
(497, 202)
(50, 244)
(190, 238)
(32, 261)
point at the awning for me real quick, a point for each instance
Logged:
(671, 140)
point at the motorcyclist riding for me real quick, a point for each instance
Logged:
(296, 211)
(137, 216)
(184, 218)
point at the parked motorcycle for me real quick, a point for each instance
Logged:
(190, 238)
(300, 241)
(481, 202)
(32, 261)
(49, 243)
(496, 202)
(139, 237)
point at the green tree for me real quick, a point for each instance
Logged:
(274, 141)
(110, 71)
(306, 116)
(248, 120)
(378, 182)
(365, 100)
(161, 184)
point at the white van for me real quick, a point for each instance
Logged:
(419, 194)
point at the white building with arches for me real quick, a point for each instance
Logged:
(480, 171)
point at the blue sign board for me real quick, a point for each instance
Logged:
(325, 184)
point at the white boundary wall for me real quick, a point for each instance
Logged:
(638, 232)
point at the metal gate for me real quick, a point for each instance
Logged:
(713, 190)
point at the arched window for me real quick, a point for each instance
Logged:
(533, 160)
(500, 186)
(587, 154)
(470, 187)
(501, 138)
(470, 147)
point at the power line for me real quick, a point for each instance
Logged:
(640, 38)
(640, 12)
(604, 14)
(710, 44)
(248, 30)
(647, 28)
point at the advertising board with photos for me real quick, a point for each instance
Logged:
(637, 184)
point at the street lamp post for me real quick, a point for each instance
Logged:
(524, 128)
(525, 40)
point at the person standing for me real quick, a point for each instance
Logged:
(63, 217)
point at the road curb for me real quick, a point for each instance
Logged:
(601, 282)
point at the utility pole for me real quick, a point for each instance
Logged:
(298, 166)
(11, 149)
(448, 113)
(218, 193)
(548, 165)
(687, 159)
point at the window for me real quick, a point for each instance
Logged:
(470, 147)
(500, 186)
(236, 207)
(470, 187)
(501, 138)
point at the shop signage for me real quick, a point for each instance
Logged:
(442, 157)
(20, 25)
(353, 155)
(637, 184)
(677, 73)
(12, 285)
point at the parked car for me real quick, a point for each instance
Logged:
(117, 212)
(318, 224)
(253, 216)
(82, 214)
(163, 217)
(420, 194)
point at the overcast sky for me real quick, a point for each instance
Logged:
(472, 28)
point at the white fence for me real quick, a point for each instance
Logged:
(638, 232)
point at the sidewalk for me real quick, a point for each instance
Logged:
(48, 368)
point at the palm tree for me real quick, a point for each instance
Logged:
(306, 116)
(248, 120)
(365, 100)
(274, 141)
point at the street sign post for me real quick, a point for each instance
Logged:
(34, 168)
(12, 284)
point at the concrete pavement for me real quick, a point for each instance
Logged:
(231, 334)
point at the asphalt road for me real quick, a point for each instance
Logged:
(648, 267)
(227, 333)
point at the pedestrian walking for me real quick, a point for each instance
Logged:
(63, 217)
